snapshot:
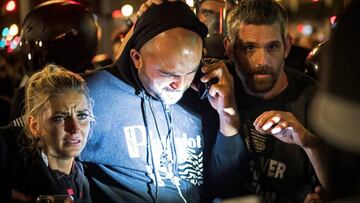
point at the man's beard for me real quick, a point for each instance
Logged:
(261, 80)
(170, 96)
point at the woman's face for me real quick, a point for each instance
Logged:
(64, 125)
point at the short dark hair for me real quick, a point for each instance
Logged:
(258, 12)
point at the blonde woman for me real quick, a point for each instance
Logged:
(58, 117)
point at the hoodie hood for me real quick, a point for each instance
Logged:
(157, 19)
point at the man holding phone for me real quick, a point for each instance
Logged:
(151, 139)
(273, 103)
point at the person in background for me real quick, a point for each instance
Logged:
(209, 13)
(152, 135)
(58, 114)
(212, 13)
(118, 35)
(273, 103)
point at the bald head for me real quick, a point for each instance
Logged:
(176, 42)
(168, 62)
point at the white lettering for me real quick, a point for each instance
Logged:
(272, 167)
(280, 170)
(135, 137)
(191, 143)
(276, 169)
(198, 141)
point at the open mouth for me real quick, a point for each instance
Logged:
(72, 141)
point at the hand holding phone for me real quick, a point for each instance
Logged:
(203, 87)
(219, 90)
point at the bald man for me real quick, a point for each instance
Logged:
(148, 144)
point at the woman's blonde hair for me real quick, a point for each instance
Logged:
(51, 80)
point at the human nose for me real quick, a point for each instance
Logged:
(178, 83)
(261, 57)
(71, 125)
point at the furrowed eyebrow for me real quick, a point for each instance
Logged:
(175, 74)
(83, 111)
(275, 42)
(62, 113)
(68, 114)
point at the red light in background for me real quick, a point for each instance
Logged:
(332, 19)
(300, 27)
(9, 50)
(16, 40)
(116, 14)
(10, 6)
(315, 1)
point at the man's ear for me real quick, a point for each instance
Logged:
(136, 58)
(287, 45)
(34, 126)
(228, 47)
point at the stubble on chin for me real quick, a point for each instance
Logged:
(262, 85)
(172, 100)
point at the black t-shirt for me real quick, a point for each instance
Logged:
(280, 172)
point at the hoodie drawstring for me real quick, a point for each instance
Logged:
(171, 135)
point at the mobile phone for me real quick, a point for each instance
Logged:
(203, 87)
(55, 199)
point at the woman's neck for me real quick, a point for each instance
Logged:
(61, 164)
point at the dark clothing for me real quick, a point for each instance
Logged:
(17, 104)
(297, 58)
(8, 149)
(280, 172)
(229, 167)
(5, 105)
(32, 177)
(4, 171)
